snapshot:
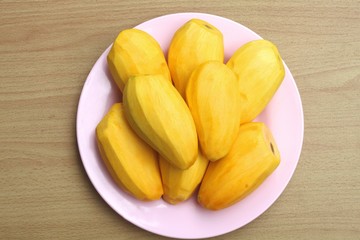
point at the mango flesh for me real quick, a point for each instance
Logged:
(179, 185)
(154, 116)
(135, 52)
(193, 43)
(131, 162)
(260, 71)
(215, 104)
(159, 115)
(252, 158)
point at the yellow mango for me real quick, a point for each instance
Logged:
(193, 43)
(260, 71)
(131, 162)
(159, 115)
(179, 185)
(252, 158)
(213, 97)
(135, 52)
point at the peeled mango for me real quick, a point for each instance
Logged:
(179, 185)
(132, 163)
(260, 71)
(195, 42)
(252, 158)
(160, 116)
(135, 52)
(215, 104)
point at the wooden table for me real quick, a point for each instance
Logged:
(47, 48)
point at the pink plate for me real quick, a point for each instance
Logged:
(283, 115)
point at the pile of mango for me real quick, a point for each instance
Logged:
(185, 125)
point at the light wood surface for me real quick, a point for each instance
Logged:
(47, 48)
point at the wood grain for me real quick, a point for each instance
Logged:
(47, 48)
